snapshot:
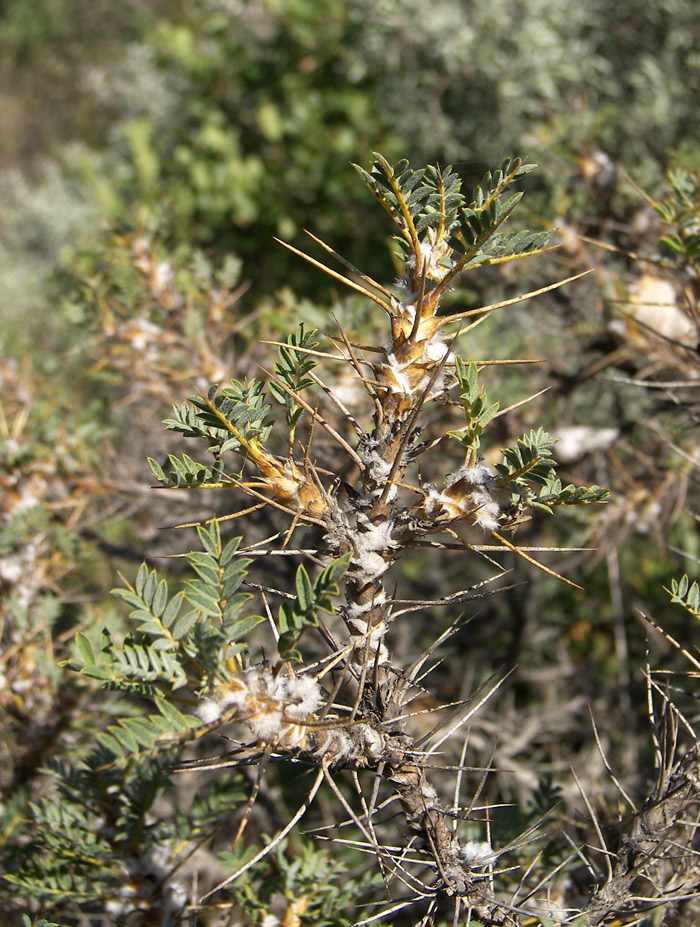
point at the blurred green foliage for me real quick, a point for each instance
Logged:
(239, 117)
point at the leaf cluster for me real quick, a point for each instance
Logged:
(292, 369)
(101, 839)
(185, 473)
(429, 208)
(95, 838)
(681, 212)
(530, 461)
(228, 419)
(308, 881)
(192, 638)
(477, 238)
(478, 410)
(209, 806)
(554, 493)
(417, 200)
(687, 594)
(311, 598)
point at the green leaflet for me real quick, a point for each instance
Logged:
(292, 369)
(479, 412)
(530, 462)
(224, 416)
(687, 594)
(295, 617)
(181, 640)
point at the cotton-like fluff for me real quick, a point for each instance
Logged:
(373, 547)
(379, 471)
(362, 744)
(485, 509)
(275, 708)
(369, 647)
(477, 853)
(470, 492)
(209, 710)
(433, 258)
(356, 610)
(479, 494)
(304, 694)
(396, 377)
(378, 467)
(412, 374)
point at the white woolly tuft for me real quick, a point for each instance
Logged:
(370, 543)
(432, 499)
(267, 725)
(270, 920)
(486, 517)
(487, 510)
(355, 611)
(407, 308)
(308, 692)
(372, 741)
(434, 350)
(234, 698)
(477, 853)
(403, 288)
(258, 681)
(378, 467)
(375, 536)
(402, 385)
(271, 706)
(476, 476)
(209, 711)
(370, 565)
(378, 652)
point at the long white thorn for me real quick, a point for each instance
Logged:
(274, 842)
(466, 717)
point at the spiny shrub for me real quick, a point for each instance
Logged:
(313, 679)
